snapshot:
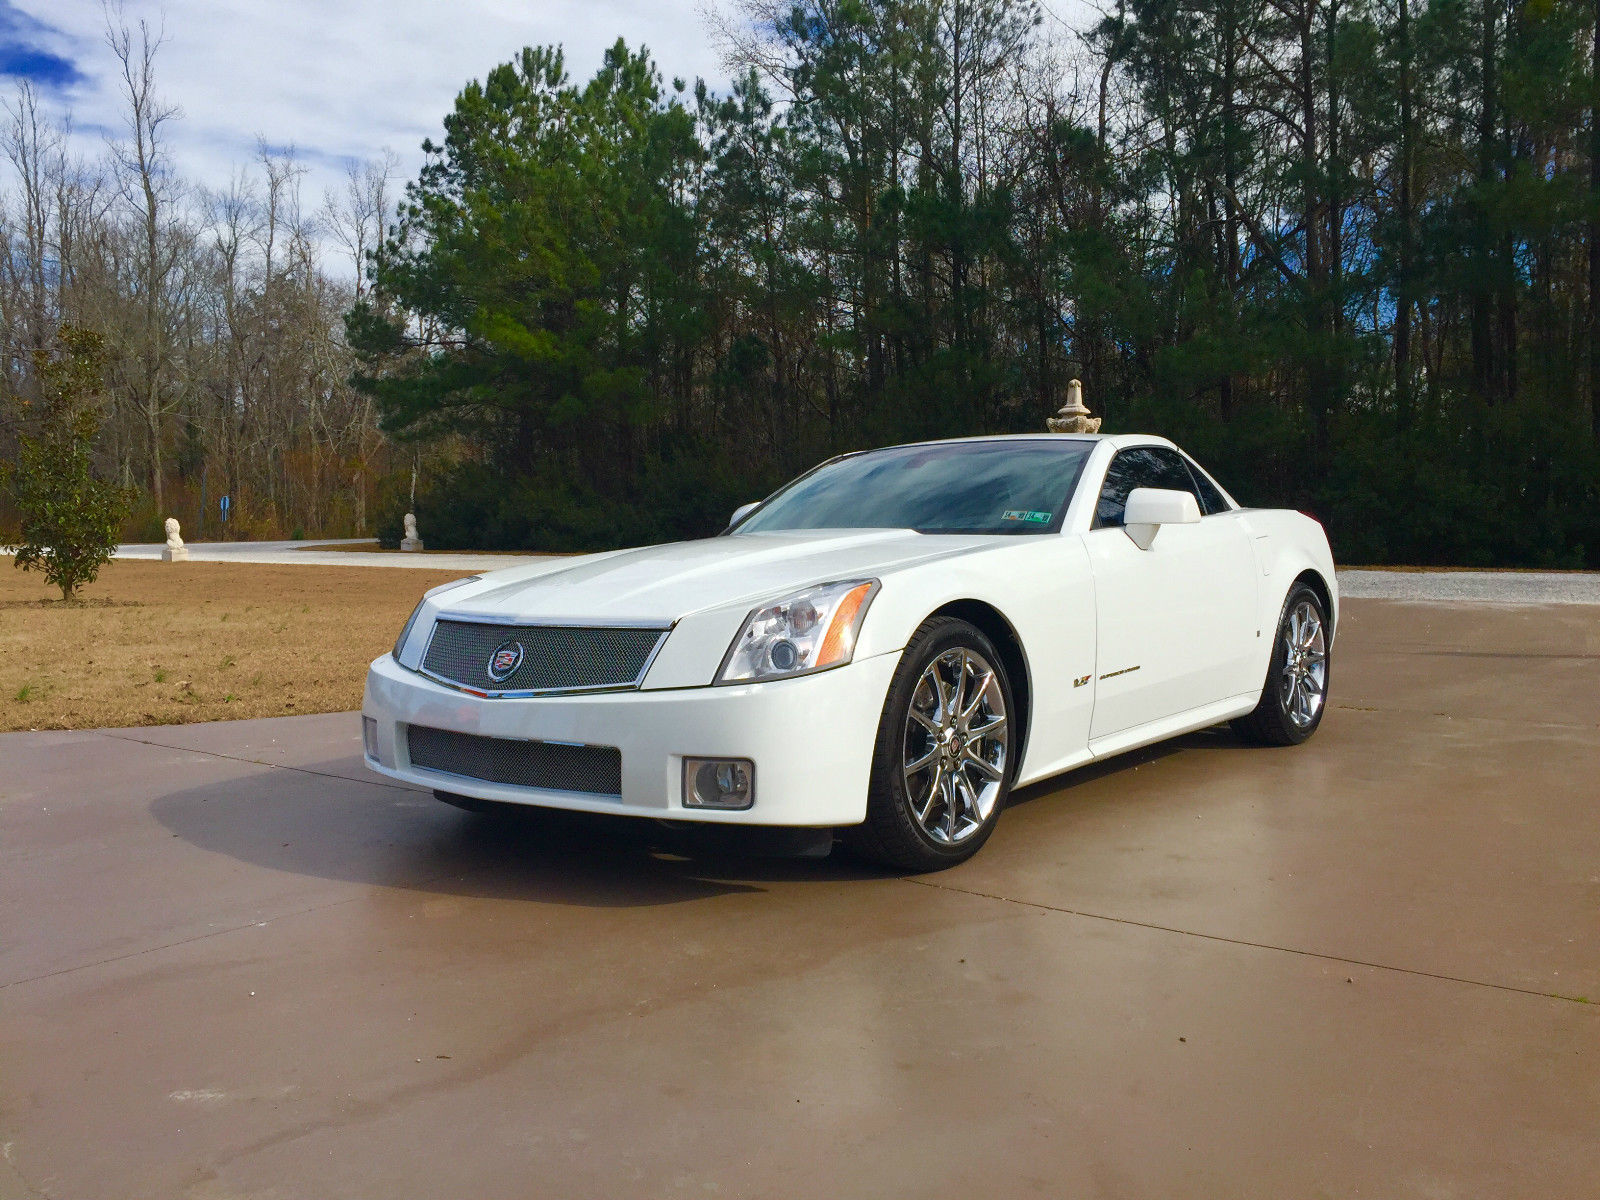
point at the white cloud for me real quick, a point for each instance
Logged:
(340, 80)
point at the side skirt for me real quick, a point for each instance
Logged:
(1159, 731)
(1143, 735)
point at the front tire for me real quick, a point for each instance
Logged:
(1295, 693)
(943, 763)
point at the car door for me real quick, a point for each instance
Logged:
(1175, 624)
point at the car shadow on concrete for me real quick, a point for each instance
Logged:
(306, 822)
(324, 821)
(1061, 787)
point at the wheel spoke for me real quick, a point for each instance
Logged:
(926, 807)
(981, 691)
(923, 719)
(969, 796)
(1311, 627)
(927, 760)
(988, 730)
(939, 687)
(983, 765)
(959, 696)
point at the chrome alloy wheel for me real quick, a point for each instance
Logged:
(1304, 682)
(956, 738)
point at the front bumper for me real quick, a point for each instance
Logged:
(811, 739)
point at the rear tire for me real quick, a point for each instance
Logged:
(943, 763)
(1295, 693)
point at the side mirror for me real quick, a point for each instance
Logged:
(1150, 508)
(739, 514)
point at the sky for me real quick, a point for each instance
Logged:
(339, 80)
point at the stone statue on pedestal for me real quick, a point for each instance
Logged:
(1074, 417)
(411, 541)
(175, 550)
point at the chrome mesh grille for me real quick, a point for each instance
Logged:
(596, 769)
(554, 657)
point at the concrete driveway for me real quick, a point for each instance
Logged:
(234, 965)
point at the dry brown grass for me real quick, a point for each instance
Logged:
(169, 643)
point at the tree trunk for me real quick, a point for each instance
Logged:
(1594, 229)
(1230, 175)
(1403, 214)
(1316, 272)
(1483, 281)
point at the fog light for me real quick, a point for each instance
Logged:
(719, 783)
(369, 737)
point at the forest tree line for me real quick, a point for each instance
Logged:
(1345, 251)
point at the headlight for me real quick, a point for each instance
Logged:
(808, 631)
(405, 632)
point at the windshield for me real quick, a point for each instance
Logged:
(1012, 486)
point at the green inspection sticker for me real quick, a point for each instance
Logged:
(1022, 514)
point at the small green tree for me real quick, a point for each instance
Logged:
(70, 519)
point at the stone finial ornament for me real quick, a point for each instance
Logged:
(1074, 416)
(411, 541)
(175, 550)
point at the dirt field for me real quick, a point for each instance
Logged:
(173, 643)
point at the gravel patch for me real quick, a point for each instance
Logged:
(1472, 587)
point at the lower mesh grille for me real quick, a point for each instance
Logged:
(595, 769)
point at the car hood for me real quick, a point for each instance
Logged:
(667, 583)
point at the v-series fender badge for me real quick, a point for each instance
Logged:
(1081, 680)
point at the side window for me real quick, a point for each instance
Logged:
(1211, 500)
(1145, 466)
(1175, 475)
(1130, 469)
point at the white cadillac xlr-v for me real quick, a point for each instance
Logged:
(885, 646)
